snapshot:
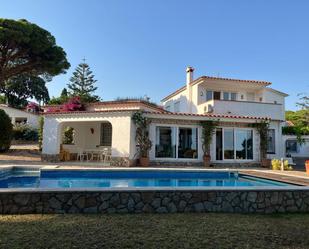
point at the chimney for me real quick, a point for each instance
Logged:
(189, 71)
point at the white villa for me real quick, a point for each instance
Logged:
(175, 129)
(18, 116)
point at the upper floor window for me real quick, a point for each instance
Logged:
(177, 106)
(233, 96)
(209, 95)
(229, 96)
(168, 108)
(217, 95)
(226, 96)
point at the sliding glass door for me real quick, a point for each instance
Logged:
(187, 142)
(228, 144)
(176, 142)
(243, 145)
(165, 142)
(234, 144)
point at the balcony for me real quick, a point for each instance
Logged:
(243, 108)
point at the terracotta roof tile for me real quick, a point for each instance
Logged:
(263, 83)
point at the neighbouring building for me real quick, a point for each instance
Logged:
(175, 129)
(19, 116)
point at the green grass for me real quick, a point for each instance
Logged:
(155, 231)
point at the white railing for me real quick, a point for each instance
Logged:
(243, 108)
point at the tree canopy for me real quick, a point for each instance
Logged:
(64, 97)
(28, 53)
(299, 118)
(82, 84)
(19, 88)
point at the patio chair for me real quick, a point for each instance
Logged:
(106, 155)
(81, 155)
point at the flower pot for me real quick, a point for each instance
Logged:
(266, 163)
(307, 166)
(144, 161)
(207, 160)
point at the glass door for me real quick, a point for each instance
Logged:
(165, 142)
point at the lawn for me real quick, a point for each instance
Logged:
(155, 231)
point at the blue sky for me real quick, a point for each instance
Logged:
(138, 47)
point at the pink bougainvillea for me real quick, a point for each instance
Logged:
(74, 104)
(33, 107)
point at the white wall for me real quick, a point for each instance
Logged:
(243, 108)
(181, 97)
(303, 149)
(32, 119)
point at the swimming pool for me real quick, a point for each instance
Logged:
(66, 179)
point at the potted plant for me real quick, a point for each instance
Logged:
(208, 129)
(142, 137)
(307, 166)
(262, 129)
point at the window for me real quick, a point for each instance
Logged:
(209, 95)
(217, 95)
(177, 106)
(271, 141)
(20, 120)
(243, 144)
(228, 144)
(291, 146)
(106, 134)
(174, 142)
(168, 108)
(219, 144)
(234, 144)
(165, 142)
(233, 96)
(187, 143)
(226, 96)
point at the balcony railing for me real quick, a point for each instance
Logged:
(243, 108)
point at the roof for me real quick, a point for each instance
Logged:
(289, 123)
(161, 113)
(210, 115)
(21, 110)
(126, 102)
(276, 91)
(109, 104)
(85, 112)
(262, 83)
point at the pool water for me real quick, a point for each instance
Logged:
(133, 179)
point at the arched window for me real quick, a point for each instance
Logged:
(68, 135)
(106, 134)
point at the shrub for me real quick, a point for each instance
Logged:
(24, 132)
(40, 132)
(68, 136)
(6, 131)
(276, 164)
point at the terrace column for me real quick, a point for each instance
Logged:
(51, 139)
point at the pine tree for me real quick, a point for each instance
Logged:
(64, 93)
(82, 83)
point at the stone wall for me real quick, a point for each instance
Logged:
(52, 158)
(159, 201)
